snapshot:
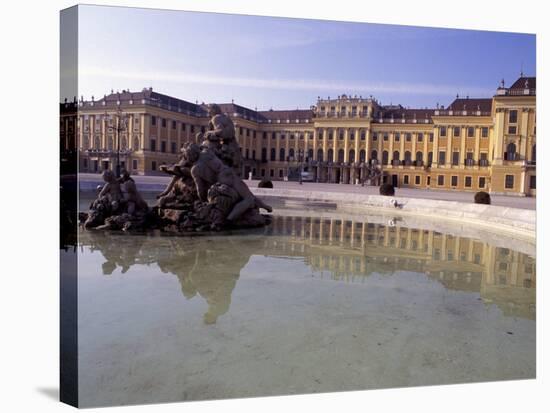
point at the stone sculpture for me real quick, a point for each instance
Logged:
(205, 192)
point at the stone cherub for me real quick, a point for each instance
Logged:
(222, 131)
(107, 203)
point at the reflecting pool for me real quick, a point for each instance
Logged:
(315, 303)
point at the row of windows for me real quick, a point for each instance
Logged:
(467, 181)
(173, 123)
(470, 131)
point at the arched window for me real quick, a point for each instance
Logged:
(320, 155)
(374, 154)
(395, 156)
(352, 155)
(136, 144)
(341, 155)
(264, 154)
(282, 154)
(253, 154)
(510, 154)
(330, 155)
(534, 153)
(291, 153)
(430, 158)
(273, 154)
(419, 156)
(310, 154)
(362, 155)
(97, 144)
(407, 157)
(385, 157)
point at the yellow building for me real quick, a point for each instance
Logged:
(473, 144)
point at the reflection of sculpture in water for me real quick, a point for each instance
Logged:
(210, 267)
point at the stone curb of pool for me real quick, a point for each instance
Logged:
(512, 220)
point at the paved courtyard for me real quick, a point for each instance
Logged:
(156, 182)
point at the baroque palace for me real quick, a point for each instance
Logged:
(471, 145)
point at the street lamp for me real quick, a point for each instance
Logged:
(300, 159)
(121, 125)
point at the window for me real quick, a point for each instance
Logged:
(481, 182)
(454, 180)
(183, 127)
(153, 165)
(163, 146)
(282, 154)
(443, 131)
(471, 132)
(484, 132)
(330, 136)
(264, 136)
(351, 136)
(262, 172)
(247, 132)
(419, 158)
(153, 120)
(163, 122)
(420, 137)
(173, 147)
(406, 179)
(153, 145)
(173, 124)
(385, 136)
(271, 173)
(431, 137)
(456, 131)
(374, 137)
(456, 156)
(533, 182)
(385, 157)
(512, 130)
(441, 180)
(483, 161)
(341, 135)
(408, 137)
(397, 136)
(417, 180)
(264, 154)
(247, 153)
(192, 128)
(442, 158)
(273, 155)
(280, 173)
(513, 116)
(510, 154)
(134, 164)
(273, 135)
(509, 182)
(468, 182)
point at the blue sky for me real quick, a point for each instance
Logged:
(264, 62)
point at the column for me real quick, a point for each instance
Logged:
(476, 148)
(498, 137)
(450, 134)
(462, 154)
(435, 147)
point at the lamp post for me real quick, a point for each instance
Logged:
(300, 159)
(121, 125)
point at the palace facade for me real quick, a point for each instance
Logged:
(472, 144)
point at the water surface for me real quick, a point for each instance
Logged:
(308, 304)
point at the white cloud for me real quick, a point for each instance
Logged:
(316, 85)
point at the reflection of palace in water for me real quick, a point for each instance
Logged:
(349, 251)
